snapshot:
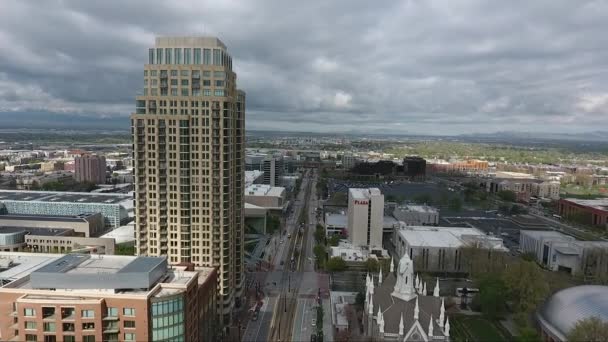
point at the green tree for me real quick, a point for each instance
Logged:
(491, 297)
(320, 234)
(320, 255)
(333, 240)
(372, 265)
(273, 223)
(335, 264)
(507, 195)
(526, 284)
(591, 329)
(528, 334)
(124, 250)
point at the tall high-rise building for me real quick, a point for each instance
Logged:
(365, 217)
(188, 144)
(90, 168)
(273, 170)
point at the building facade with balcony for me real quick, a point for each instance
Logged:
(189, 157)
(69, 298)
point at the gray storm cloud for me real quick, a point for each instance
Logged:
(411, 66)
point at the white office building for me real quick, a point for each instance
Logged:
(559, 252)
(438, 249)
(365, 217)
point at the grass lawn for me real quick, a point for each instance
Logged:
(475, 328)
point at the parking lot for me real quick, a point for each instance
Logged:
(497, 226)
(403, 189)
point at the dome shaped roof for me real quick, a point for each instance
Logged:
(568, 306)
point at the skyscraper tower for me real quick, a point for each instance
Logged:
(188, 149)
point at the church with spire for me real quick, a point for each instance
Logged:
(399, 308)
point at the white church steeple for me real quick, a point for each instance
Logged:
(436, 289)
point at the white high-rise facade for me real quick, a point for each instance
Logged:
(365, 217)
(188, 149)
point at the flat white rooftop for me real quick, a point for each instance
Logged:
(513, 175)
(122, 234)
(251, 176)
(336, 220)
(362, 193)
(264, 190)
(446, 237)
(417, 208)
(24, 263)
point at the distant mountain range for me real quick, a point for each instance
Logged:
(44, 120)
(595, 136)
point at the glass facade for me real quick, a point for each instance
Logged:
(187, 54)
(178, 56)
(168, 319)
(197, 56)
(207, 56)
(113, 213)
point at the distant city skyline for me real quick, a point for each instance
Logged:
(409, 67)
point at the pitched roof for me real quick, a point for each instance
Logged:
(393, 308)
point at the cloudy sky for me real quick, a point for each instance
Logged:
(408, 66)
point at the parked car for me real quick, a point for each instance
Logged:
(314, 322)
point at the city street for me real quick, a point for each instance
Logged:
(292, 289)
(279, 282)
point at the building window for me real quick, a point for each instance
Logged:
(207, 73)
(178, 55)
(173, 73)
(173, 82)
(184, 73)
(69, 338)
(184, 92)
(219, 75)
(219, 92)
(68, 326)
(207, 83)
(128, 311)
(150, 56)
(129, 324)
(153, 92)
(173, 91)
(129, 337)
(196, 92)
(31, 338)
(197, 56)
(207, 56)
(168, 55)
(217, 59)
(30, 325)
(153, 73)
(187, 52)
(88, 326)
(48, 312)
(87, 314)
(112, 312)
(49, 327)
(219, 83)
(185, 83)
(159, 56)
(88, 338)
(29, 312)
(207, 92)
